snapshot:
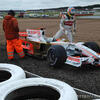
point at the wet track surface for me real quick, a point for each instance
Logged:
(86, 78)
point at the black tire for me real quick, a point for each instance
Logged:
(56, 55)
(93, 45)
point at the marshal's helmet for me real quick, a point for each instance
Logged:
(71, 11)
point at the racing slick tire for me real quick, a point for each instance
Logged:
(93, 45)
(56, 55)
(38, 88)
(9, 73)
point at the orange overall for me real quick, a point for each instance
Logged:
(14, 44)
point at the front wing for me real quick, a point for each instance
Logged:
(78, 61)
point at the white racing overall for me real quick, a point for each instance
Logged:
(66, 26)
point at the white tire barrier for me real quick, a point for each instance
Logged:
(30, 88)
(9, 73)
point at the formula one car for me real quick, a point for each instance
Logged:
(59, 52)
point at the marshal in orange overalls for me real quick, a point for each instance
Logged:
(10, 27)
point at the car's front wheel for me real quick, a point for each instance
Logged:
(56, 55)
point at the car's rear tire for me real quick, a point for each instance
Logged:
(56, 55)
(41, 88)
(93, 45)
(9, 73)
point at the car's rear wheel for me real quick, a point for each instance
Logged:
(56, 55)
(93, 45)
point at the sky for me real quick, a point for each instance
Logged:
(43, 4)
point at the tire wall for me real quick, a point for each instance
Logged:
(9, 73)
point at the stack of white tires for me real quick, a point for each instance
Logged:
(17, 87)
(9, 73)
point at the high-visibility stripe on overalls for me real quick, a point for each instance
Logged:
(21, 54)
(14, 44)
(10, 55)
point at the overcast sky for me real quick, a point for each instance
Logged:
(43, 4)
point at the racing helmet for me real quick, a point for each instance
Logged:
(71, 11)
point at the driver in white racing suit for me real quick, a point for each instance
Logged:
(67, 24)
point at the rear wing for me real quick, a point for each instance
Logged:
(33, 35)
(31, 32)
(23, 34)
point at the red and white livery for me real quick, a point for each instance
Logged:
(67, 24)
